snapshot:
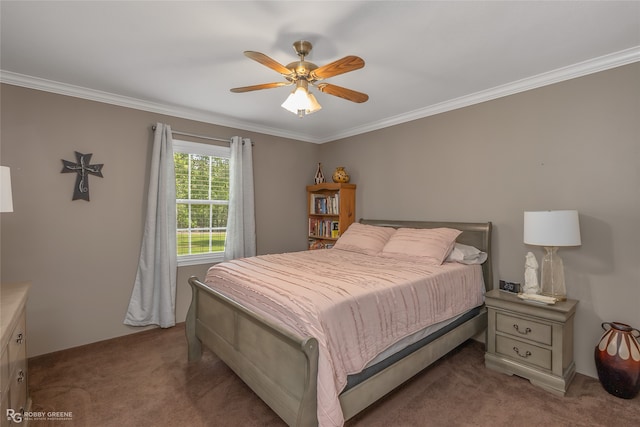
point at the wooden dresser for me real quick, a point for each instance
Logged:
(13, 369)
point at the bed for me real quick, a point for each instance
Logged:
(287, 368)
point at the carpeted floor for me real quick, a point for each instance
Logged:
(145, 380)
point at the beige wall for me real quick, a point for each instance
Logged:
(572, 145)
(81, 257)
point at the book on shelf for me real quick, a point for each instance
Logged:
(335, 229)
(324, 204)
(324, 228)
(319, 244)
(316, 244)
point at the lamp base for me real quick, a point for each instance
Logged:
(552, 275)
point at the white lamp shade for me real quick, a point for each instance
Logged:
(552, 228)
(314, 104)
(6, 198)
(301, 100)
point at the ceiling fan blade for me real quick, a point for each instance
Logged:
(348, 94)
(341, 66)
(259, 87)
(266, 61)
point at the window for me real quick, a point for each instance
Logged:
(202, 201)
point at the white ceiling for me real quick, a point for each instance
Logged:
(422, 57)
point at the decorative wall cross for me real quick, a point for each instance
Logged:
(83, 169)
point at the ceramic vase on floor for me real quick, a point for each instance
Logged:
(617, 357)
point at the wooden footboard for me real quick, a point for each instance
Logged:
(358, 398)
(282, 367)
(279, 366)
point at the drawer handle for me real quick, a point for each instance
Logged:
(20, 338)
(20, 376)
(517, 328)
(525, 355)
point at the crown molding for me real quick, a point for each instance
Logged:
(580, 69)
(45, 85)
(602, 63)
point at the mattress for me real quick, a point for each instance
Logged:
(356, 306)
(407, 346)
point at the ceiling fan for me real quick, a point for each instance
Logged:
(304, 73)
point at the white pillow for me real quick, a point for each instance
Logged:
(365, 239)
(466, 254)
(428, 245)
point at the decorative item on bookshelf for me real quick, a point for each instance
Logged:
(617, 357)
(319, 178)
(340, 175)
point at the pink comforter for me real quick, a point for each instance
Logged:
(355, 305)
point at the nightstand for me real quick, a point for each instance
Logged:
(531, 340)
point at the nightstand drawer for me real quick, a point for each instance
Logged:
(523, 352)
(523, 328)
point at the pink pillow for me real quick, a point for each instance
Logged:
(428, 245)
(365, 239)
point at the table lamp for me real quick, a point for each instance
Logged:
(552, 229)
(6, 199)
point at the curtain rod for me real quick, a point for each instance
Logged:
(176, 132)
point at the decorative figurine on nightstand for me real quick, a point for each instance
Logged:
(319, 178)
(531, 285)
(531, 290)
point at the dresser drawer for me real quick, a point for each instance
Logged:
(18, 390)
(523, 352)
(17, 344)
(13, 367)
(4, 421)
(4, 371)
(523, 328)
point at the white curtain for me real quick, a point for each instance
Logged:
(154, 291)
(241, 224)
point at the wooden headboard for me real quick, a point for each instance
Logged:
(477, 234)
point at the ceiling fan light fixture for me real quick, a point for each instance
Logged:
(301, 102)
(315, 105)
(303, 73)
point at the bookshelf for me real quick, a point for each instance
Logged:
(331, 210)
